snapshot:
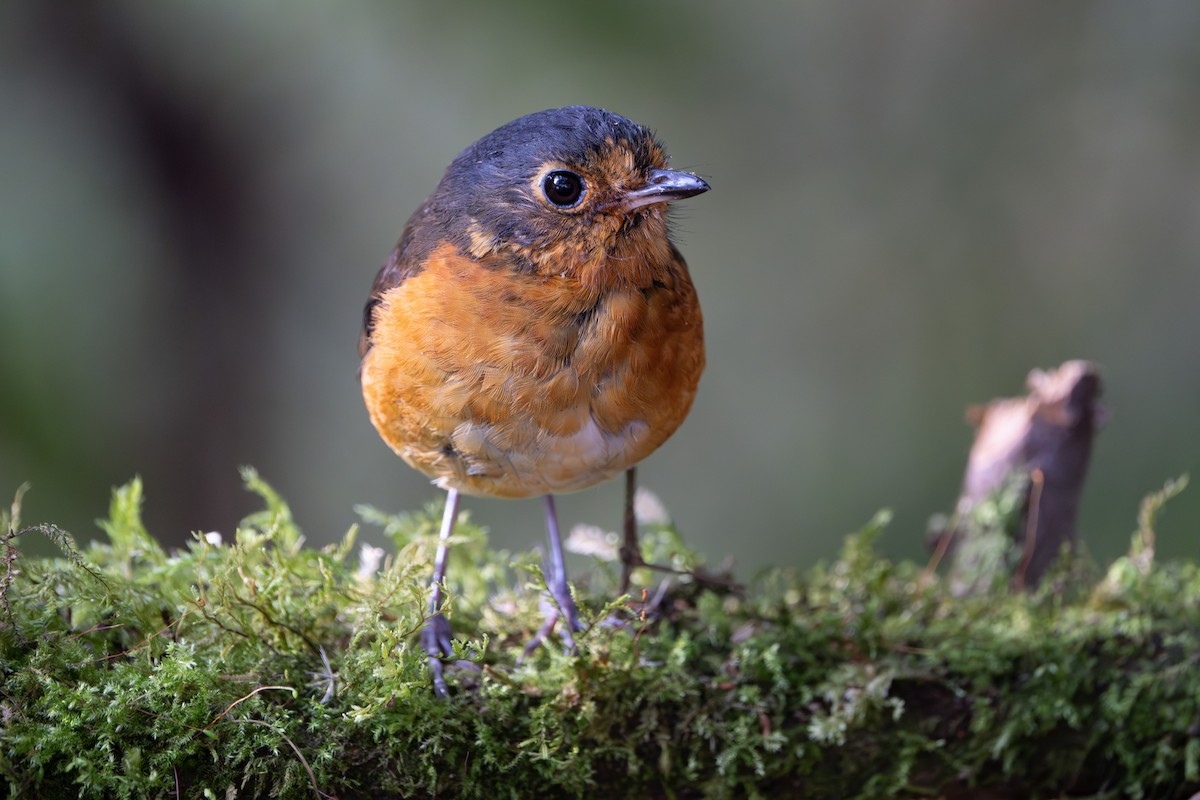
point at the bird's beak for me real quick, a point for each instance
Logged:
(664, 186)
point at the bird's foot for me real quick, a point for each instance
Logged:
(558, 606)
(720, 581)
(436, 639)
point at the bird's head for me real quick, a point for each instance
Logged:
(574, 190)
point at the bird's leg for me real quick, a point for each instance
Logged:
(435, 636)
(555, 571)
(631, 552)
(556, 581)
(631, 555)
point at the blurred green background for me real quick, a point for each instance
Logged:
(913, 204)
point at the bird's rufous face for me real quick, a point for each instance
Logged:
(576, 209)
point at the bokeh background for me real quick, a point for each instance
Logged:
(913, 204)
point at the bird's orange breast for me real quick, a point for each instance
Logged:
(499, 382)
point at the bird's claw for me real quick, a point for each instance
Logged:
(559, 606)
(436, 640)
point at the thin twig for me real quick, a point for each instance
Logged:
(240, 700)
(312, 778)
(939, 553)
(316, 649)
(139, 645)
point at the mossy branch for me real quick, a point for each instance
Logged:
(259, 667)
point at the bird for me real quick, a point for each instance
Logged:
(535, 331)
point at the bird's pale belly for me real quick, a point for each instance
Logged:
(517, 451)
(476, 463)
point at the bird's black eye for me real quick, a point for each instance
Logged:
(563, 188)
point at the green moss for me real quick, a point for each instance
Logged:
(260, 667)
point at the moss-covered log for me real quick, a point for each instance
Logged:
(259, 667)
